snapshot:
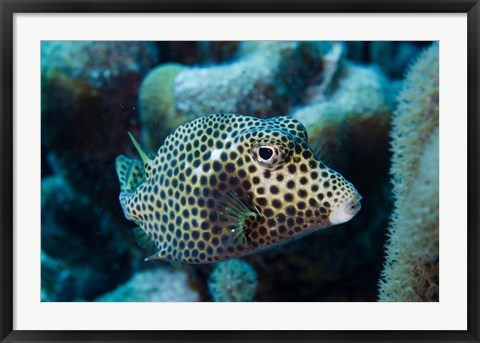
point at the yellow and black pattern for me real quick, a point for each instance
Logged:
(225, 185)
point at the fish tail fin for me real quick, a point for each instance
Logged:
(131, 173)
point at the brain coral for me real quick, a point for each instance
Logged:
(412, 262)
(233, 280)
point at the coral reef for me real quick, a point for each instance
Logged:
(412, 263)
(89, 102)
(263, 81)
(93, 93)
(72, 228)
(154, 285)
(233, 280)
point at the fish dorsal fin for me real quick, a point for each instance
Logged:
(144, 241)
(131, 173)
(234, 213)
(147, 161)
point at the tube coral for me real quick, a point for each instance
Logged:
(412, 259)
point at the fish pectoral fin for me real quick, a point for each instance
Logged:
(144, 241)
(234, 213)
(131, 173)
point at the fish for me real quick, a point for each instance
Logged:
(226, 185)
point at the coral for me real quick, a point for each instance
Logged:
(359, 90)
(411, 268)
(359, 105)
(99, 63)
(233, 280)
(62, 281)
(50, 269)
(259, 83)
(61, 206)
(89, 100)
(332, 61)
(82, 246)
(157, 96)
(153, 285)
(263, 81)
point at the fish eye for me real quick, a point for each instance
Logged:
(265, 153)
(268, 155)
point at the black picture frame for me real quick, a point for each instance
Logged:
(9, 7)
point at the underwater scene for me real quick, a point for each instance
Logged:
(293, 171)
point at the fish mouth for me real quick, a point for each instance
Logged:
(354, 205)
(346, 211)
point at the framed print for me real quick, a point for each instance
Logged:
(213, 171)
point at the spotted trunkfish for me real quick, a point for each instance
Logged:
(226, 185)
